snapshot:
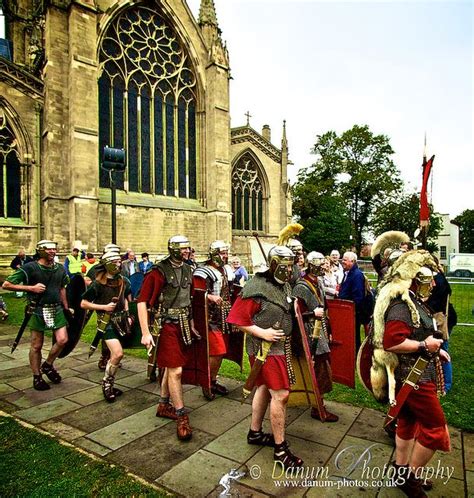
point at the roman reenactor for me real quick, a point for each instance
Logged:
(309, 290)
(263, 312)
(164, 307)
(44, 282)
(108, 295)
(212, 277)
(406, 367)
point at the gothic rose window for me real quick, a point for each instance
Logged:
(247, 195)
(10, 172)
(147, 104)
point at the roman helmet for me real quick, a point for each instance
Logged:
(423, 282)
(43, 245)
(215, 249)
(109, 261)
(280, 259)
(295, 245)
(314, 263)
(112, 248)
(175, 244)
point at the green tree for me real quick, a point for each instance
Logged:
(357, 168)
(465, 222)
(403, 213)
(324, 216)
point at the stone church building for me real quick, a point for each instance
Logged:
(145, 76)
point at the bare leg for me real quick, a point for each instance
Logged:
(259, 407)
(174, 386)
(37, 339)
(116, 351)
(404, 448)
(214, 366)
(420, 456)
(61, 340)
(278, 413)
(165, 390)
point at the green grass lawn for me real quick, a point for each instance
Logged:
(35, 465)
(458, 404)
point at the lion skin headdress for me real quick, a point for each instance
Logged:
(397, 283)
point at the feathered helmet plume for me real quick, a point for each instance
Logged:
(386, 240)
(288, 233)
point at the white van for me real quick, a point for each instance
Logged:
(461, 264)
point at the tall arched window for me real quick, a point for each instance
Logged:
(247, 195)
(10, 172)
(147, 104)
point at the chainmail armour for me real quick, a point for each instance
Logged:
(303, 291)
(399, 311)
(275, 301)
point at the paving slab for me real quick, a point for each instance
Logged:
(62, 431)
(469, 483)
(30, 397)
(7, 389)
(15, 373)
(219, 415)
(203, 471)
(468, 441)
(329, 434)
(96, 375)
(45, 411)
(90, 396)
(124, 431)
(93, 417)
(237, 490)
(159, 451)
(369, 425)
(92, 446)
(134, 380)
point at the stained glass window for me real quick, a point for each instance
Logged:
(247, 195)
(147, 103)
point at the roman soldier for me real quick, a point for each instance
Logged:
(406, 348)
(164, 306)
(263, 312)
(108, 295)
(212, 277)
(297, 248)
(44, 282)
(309, 289)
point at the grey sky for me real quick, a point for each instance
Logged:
(402, 68)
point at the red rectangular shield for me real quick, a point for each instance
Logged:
(342, 321)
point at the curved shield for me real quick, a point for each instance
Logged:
(74, 291)
(196, 370)
(133, 340)
(306, 390)
(364, 363)
(136, 282)
(342, 321)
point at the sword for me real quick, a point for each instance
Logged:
(155, 331)
(102, 322)
(29, 309)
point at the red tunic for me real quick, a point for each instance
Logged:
(421, 416)
(171, 348)
(217, 345)
(273, 374)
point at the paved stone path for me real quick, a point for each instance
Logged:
(128, 433)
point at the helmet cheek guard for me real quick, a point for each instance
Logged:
(314, 262)
(423, 280)
(112, 262)
(215, 252)
(43, 246)
(175, 244)
(281, 260)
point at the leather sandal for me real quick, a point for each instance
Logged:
(39, 383)
(217, 388)
(183, 429)
(283, 455)
(51, 373)
(166, 410)
(330, 417)
(260, 438)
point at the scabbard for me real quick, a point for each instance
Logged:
(154, 317)
(30, 308)
(102, 322)
(255, 370)
(409, 384)
(152, 356)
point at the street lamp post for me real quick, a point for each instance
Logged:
(113, 160)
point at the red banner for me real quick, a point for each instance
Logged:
(424, 207)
